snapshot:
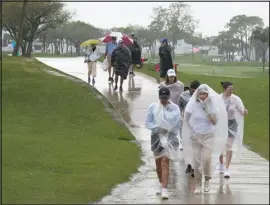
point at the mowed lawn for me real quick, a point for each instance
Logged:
(60, 145)
(255, 95)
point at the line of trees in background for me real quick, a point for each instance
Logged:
(51, 23)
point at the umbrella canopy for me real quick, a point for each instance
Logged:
(90, 42)
(119, 36)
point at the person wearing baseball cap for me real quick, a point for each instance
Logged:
(175, 86)
(165, 56)
(163, 119)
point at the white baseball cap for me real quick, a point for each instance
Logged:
(171, 72)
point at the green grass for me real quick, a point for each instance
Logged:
(230, 71)
(50, 55)
(200, 59)
(255, 95)
(60, 145)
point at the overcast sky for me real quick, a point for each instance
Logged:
(212, 16)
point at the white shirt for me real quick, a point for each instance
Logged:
(232, 104)
(198, 121)
(93, 56)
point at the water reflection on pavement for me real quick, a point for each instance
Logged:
(250, 176)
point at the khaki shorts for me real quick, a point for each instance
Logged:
(92, 68)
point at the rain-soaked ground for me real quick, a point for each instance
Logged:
(249, 181)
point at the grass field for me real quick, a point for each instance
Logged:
(253, 91)
(200, 59)
(60, 145)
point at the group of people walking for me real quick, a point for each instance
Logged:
(204, 122)
(121, 60)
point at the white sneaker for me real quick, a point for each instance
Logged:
(164, 194)
(198, 190)
(226, 174)
(221, 168)
(207, 186)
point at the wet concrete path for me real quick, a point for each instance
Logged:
(249, 181)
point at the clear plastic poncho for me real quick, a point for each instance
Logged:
(164, 123)
(235, 109)
(208, 146)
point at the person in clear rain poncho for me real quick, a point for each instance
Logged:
(184, 98)
(236, 112)
(163, 119)
(205, 131)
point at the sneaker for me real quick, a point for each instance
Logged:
(198, 190)
(115, 87)
(226, 174)
(93, 81)
(89, 79)
(164, 194)
(188, 169)
(120, 89)
(207, 186)
(221, 168)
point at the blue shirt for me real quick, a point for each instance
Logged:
(110, 47)
(171, 114)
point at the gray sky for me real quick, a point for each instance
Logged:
(212, 16)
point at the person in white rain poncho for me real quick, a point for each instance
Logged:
(205, 131)
(184, 98)
(236, 112)
(163, 119)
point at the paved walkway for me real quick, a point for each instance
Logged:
(250, 176)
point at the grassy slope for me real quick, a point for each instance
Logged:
(255, 94)
(59, 143)
(207, 60)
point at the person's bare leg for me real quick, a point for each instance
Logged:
(165, 171)
(116, 82)
(228, 159)
(121, 83)
(221, 161)
(159, 169)
(229, 152)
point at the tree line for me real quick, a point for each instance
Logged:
(51, 23)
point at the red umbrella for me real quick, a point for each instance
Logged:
(119, 36)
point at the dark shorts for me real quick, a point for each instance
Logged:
(232, 125)
(155, 142)
(121, 73)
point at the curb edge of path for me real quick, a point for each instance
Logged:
(98, 93)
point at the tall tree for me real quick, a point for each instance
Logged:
(262, 35)
(39, 16)
(242, 26)
(176, 20)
